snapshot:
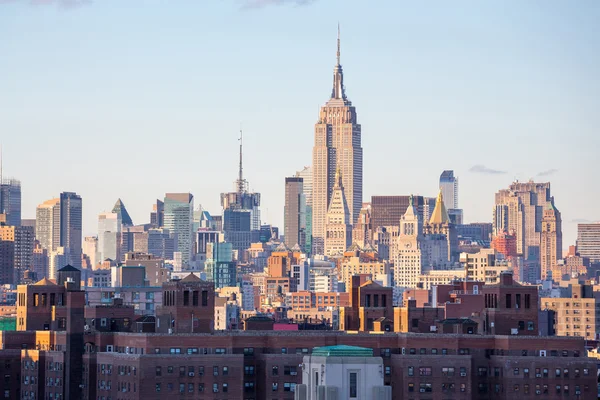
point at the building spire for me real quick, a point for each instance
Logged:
(241, 183)
(338, 91)
(338, 46)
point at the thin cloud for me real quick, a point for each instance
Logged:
(58, 3)
(547, 172)
(482, 169)
(254, 4)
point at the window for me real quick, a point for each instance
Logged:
(526, 372)
(225, 370)
(175, 350)
(289, 387)
(248, 351)
(482, 371)
(422, 351)
(181, 371)
(557, 372)
(411, 387)
(444, 351)
(201, 387)
(545, 372)
(516, 371)
(215, 371)
(385, 352)
(192, 350)
(249, 370)
(463, 371)
(530, 325)
(434, 351)
(201, 371)
(219, 350)
(508, 301)
(215, 388)
(204, 298)
(158, 372)
(388, 371)
(284, 350)
(182, 388)
(425, 387)
(412, 351)
(353, 385)
(157, 387)
(225, 388)
(447, 387)
(275, 386)
(516, 388)
(448, 371)
(424, 371)
(275, 370)
(558, 387)
(289, 370)
(411, 371)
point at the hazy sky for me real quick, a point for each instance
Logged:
(135, 98)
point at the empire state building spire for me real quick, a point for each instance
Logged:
(338, 91)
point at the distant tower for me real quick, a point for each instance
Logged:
(337, 145)
(449, 188)
(440, 223)
(551, 239)
(71, 233)
(294, 213)
(307, 188)
(338, 230)
(520, 209)
(407, 252)
(10, 198)
(178, 219)
(241, 213)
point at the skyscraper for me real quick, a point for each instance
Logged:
(241, 213)
(294, 212)
(449, 188)
(179, 214)
(551, 240)
(407, 251)
(109, 237)
(307, 189)
(157, 216)
(47, 224)
(71, 226)
(588, 241)
(520, 209)
(10, 200)
(337, 145)
(338, 229)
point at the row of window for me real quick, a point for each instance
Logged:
(191, 370)
(387, 352)
(190, 387)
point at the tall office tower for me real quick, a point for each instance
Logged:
(307, 188)
(10, 200)
(551, 239)
(388, 210)
(294, 212)
(40, 261)
(449, 188)
(337, 145)
(241, 213)
(338, 229)
(71, 233)
(109, 237)
(588, 241)
(47, 224)
(24, 243)
(120, 209)
(157, 216)
(179, 214)
(520, 209)
(7, 257)
(161, 243)
(220, 267)
(440, 224)
(407, 251)
(90, 248)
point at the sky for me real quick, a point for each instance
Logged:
(131, 99)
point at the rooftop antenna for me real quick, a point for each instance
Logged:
(241, 184)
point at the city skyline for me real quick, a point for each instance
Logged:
(533, 120)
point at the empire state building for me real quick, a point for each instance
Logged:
(337, 146)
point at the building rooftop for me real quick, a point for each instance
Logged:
(45, 282)
(342, 351)
(68, 268)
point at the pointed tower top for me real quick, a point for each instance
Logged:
(439, 215)
(120, 209)
(338, 91)
(411, 200)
